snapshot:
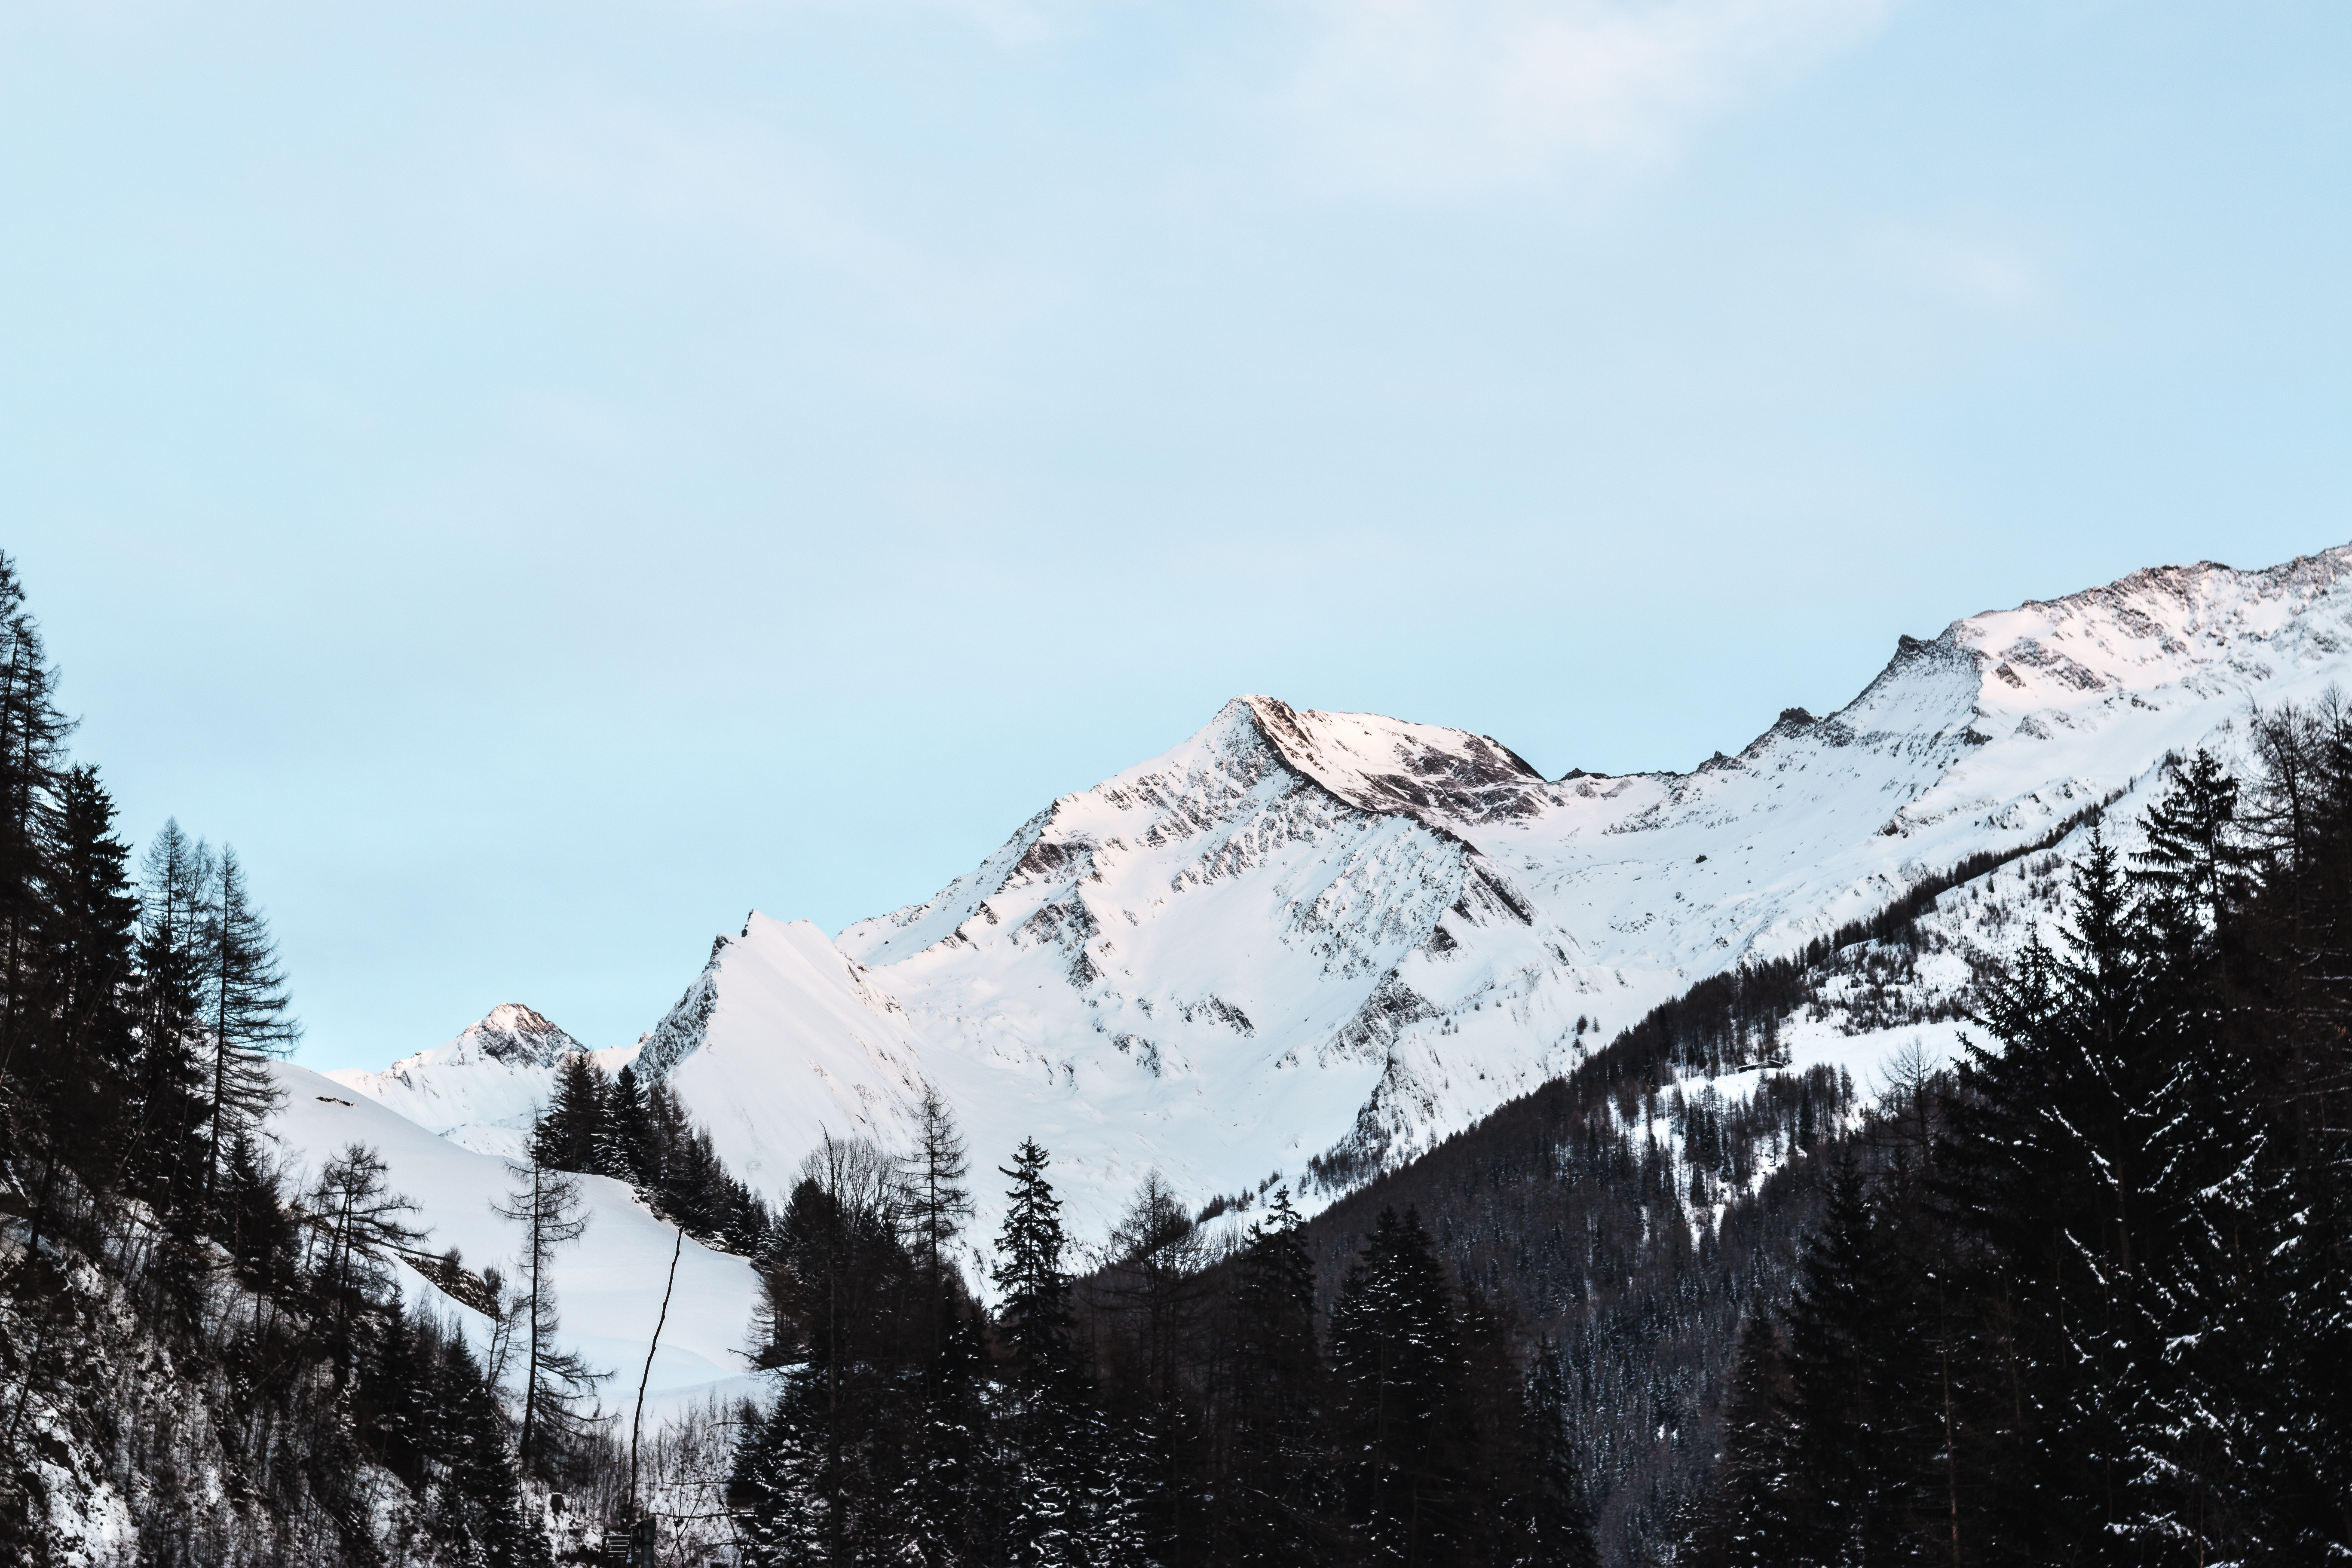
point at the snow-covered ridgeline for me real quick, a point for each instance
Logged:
(1339, 937)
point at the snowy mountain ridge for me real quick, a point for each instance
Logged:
(1311, 944)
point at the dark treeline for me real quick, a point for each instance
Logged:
(197, 1365)
(1177, 1404)
(1617, 1213)
(2089, 1300)
(610, 1126)
(1567, 1210)
(1731, 1021)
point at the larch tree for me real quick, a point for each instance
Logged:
(248, 1011)
(556, 1383)
(32, 756)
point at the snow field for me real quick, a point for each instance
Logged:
(609, 1284)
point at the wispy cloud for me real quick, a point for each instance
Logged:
(1443, 95)
(1983, 274)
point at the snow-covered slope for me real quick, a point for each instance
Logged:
(609, 1286)
(782, 1040)
(1313, 943)
(483, 1088)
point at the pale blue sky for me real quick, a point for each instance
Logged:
(542, 479)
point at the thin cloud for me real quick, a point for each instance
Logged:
(1982, 274)
(1435, 96)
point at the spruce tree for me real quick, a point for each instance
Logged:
(1753, 1518)
(628, 1134)
(255, 1226)
(163, 1155)
(2054, 1161)
(572, 1135)
(1278, 1493)
(1547, 1523)
(1046, 1413)
(951, 1503)
(76, 1043)
(1397, 1356)
(2194, 857)
(1856, 1454)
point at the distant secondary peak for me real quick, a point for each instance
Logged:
(516, 1035)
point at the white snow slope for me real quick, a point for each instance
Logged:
(608, 1286)
(1339, 937)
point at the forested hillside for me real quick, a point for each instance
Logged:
(2090, 1299)
(201, 1366)
(2085, 1298)
(202, 1361)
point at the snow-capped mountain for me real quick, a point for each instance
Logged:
(1313, 943)
(482, 1088)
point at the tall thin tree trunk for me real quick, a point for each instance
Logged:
(531, 1366)
(220, 1073)
(637, 1421)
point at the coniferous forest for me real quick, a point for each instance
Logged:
(2085, 1298)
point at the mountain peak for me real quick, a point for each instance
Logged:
(516, 1034)
(1391, 765)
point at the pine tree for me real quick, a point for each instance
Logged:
(392, 1400)
(835, 1286)
(247, 1011)
(480, 1515)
